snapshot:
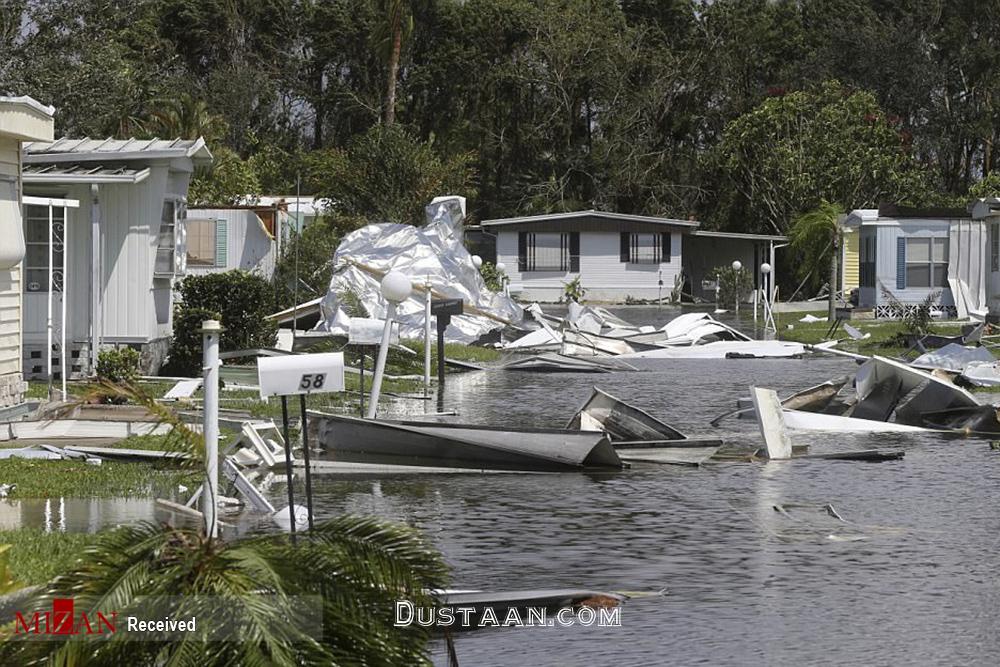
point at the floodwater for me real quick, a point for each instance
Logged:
(909, 576)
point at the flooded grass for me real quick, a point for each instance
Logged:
(37, 556)
(72, 479)
(885, 334)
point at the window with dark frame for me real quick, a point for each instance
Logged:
(926, 262)
(548, 251)
(867, 265)
(166, 239)
(995, 246)
(645, 247)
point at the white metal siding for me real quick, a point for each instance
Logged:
(249, 246)
(10, 279)
(602, 273)
(885, 260)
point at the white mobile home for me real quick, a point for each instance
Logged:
(21, 119)
(617, 256)
(237, 237)
(122, 247)
(907, 255)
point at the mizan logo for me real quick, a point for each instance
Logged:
(63, 621)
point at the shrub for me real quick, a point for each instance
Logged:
(185, 347)
(118, 366)
(492, 276)
(574, 290)
(733, 284)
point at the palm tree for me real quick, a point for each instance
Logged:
(389, 37)
(816, 235)
(184, 117)
(327, 600)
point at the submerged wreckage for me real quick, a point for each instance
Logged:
(889, 395)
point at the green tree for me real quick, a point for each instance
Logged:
(817, 238)
(228, 181)
(186, 117)
(386, 175)
(794, 151)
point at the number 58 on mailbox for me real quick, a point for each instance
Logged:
(300, 374)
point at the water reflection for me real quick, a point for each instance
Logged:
(75, 515)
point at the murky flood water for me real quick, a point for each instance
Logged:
(909, 579)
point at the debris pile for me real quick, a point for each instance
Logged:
(434, 255)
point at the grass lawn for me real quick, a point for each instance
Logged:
(36, 556)
(885, 334)
(75, 479)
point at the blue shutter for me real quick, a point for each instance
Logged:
(901, 262)
(221, 243)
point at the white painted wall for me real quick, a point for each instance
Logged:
(602, 273)
(130, 225)
(249, 246)
(10, 279)
(888, 231)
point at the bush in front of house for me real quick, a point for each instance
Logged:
(118, 366)
(240, 300)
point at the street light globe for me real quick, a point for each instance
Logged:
(765, 268)
(396, 287)
(477, 261)
(737, 265)
(501, 267)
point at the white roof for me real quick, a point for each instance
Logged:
(88, 150)
(861, 215)
(574, 215)
(78, 173)
(29, 102)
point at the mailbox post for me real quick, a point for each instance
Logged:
(301, 374)
(443, 309)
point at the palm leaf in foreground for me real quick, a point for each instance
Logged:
(352, 571)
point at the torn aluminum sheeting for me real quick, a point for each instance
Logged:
(690, 328)
(770, 419)
(971, 420)
(953, 357)
(43, 452)
(915, 391)
(722, 350)
(540, 339)
(579, 343)
(815, 421)
(435, 253)
(594, 319)
(621, 421)
(551, 362)
(982, 374)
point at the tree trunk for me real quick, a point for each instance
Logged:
(390, 93)
(834, 262)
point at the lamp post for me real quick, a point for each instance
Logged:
(395, 288)
(504, 280)
(769, 326)
(210, 332)
(737, 266)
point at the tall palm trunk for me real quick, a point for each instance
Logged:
(390, 93)
(834, 263)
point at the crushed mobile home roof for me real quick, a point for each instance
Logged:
(87, 149)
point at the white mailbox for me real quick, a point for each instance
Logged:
(300, 374)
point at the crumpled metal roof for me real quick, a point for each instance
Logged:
(87, 149)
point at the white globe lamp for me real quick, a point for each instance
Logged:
(737, 265)
(396, 287)
(765, 268)
(477, 261)
(501, 267)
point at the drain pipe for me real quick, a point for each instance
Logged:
(395, 288)
(210, 330)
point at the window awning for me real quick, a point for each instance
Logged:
(78, 173)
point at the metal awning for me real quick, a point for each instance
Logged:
(77, 173)
(740, 235)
